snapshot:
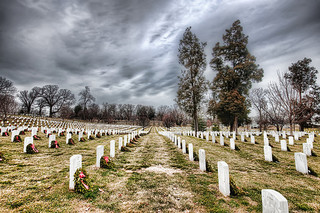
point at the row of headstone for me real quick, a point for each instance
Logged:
(272, 201)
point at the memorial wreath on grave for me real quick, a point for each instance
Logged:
(36, 137)
(17, 138)
(49, 135)
(103, 134)
(91, 137)
(82, 139)
(5, 134)
(131, 144)
(98, 135)
(70, 141)
(82, 183)
(61, 134)
(22, 133)
(54, 144)
(125, 149)
(105, 162)
(31, 149)
(2, 158)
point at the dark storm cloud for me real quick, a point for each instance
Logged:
(126, 51)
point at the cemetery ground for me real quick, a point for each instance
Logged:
(154, 176)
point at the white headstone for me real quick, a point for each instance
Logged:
(283, 145)
(267, 153)
(273, 201)
(232, 144)
(27, 141)
(213, 138)
(125, 139)
(202, 160)
(13, 134)
(100, 153)
(242, 137)
(184, 150)
(51, 138)
(68, 137)
(266, 141)
(179, 142)
(306, 149)
(190, 150)
(252, 139)
(221, 140)
(80, 135)
(112, 148)
(75, 163)
(223, 177)
(291, 140)
(120, 143)
(301, 162)
(276, 138)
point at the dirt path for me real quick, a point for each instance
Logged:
(151, 183)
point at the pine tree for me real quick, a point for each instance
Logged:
(236, 70)
(192, 85)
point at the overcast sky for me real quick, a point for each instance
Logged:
(126, 50)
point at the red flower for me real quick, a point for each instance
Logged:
(106, 159)
(81, 175)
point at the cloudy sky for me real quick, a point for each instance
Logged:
(126, 50)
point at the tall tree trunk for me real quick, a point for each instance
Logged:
(51, 112)
(195, 120)
(235, 124)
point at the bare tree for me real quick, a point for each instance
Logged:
(285, 96)
(143, 115)
(161, 111)
(28, 98)
(86, 98)
(259, 103)
(128, 110)
(55, 98)
(40, 104)
(7, 102)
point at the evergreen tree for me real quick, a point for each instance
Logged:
(236, 70)
(192, 85)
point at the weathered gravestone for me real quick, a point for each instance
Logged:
(223, 177)
(179, 142)
(125, 139)
(301, 162)
(100, 153)
(112, 148)
(273, 201)
(202, 160)
(68, 136)
(75, 163)
(190, 149)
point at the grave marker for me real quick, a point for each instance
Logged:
(75, 163)
(190, 149)
(223, 177)
(301, 162)
(273, 201)
(202, 160)
(100, 153)
(112, 148)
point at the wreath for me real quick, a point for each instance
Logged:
(124, 149)
(2, 158)
(81, 181)
(54, 144)
(82, 139)
(98, 135)
(105, 162)
(91, 137)
(45, 131)
(31, 149)
(70, 141)
(17, 138)
(103, 134)
(36, 137)
(22, 133)
(130, 144)
(5, 134)
(61, 134)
